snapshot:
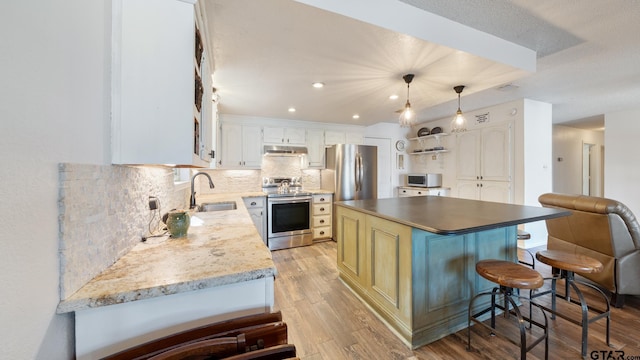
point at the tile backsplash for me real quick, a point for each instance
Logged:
(103, 212)
(251, 180)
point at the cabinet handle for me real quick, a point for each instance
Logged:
(480, 185)
(419, 192)
(321, 232)
(477, 177)
(321, 221)
(321, 199)
(253, 203)
(321, 209)
(480, 177)
(477, 185)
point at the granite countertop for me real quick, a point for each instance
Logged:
(450, 216)
(221, 247)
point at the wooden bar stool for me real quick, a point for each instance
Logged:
(509, 276)
(564, 266)
(523, 253)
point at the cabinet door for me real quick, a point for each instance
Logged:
(351, 244)
(498, 191)
(467, 150)
(273, 135)
(496, 153)
(153, 83)
(389, 266)
(354, 138)
(315, 147)
(469, 190)
(230, 145)
(251, 146)
(334, 137)
(295, 136)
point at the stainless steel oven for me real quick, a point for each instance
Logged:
(288, 214)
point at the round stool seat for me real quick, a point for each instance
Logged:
(509, 274)
(569, 261)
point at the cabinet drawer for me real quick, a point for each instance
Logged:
(322, 209)
(322, 220)
(323, 232)
(322, 198)
(254, 202)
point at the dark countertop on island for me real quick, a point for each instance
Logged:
(451, 216)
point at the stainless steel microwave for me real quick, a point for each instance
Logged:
(424, 180)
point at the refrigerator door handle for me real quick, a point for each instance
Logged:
(360, 171)
(356, 172)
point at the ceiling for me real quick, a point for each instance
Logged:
(582, 56)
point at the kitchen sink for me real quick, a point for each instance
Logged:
(218, 206)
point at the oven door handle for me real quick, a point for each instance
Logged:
(288, 200)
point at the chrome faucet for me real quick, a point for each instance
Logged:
(192, 201)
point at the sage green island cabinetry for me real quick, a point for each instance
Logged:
(412, 260)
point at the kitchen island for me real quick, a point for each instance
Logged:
(220, 270)
(412, 260)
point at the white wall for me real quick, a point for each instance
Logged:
(53, 108)
(621, 170)
(567, 146)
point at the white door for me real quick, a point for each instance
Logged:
(385, 189)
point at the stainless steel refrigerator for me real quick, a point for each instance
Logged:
(351, 172)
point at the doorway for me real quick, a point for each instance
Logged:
(586, 168)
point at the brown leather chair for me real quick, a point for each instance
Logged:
(601, 228)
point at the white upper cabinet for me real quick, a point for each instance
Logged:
(240, 146)
(315, 148)
(485, 154)
(154, 116)
(284, 136)
(334, 137)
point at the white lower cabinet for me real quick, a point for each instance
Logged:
(258, 211)
(497, 191)
(408, 191)
(322, 214)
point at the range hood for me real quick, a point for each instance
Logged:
(282, 150)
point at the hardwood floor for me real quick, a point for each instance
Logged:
(327, 321)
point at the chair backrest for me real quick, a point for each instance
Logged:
(600, 224)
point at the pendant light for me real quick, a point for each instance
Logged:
(459, 123)
(407, 116)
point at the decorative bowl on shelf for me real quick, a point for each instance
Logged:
(424, 131)
(436, 130)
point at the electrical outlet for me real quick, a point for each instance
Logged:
(153, 203)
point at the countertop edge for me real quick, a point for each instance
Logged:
(462, 231)
(73, 305)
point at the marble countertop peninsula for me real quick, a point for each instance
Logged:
(221, 247)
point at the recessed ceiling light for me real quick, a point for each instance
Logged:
(292, 109)
(356, 116)
(393, 97)
(318, 85)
